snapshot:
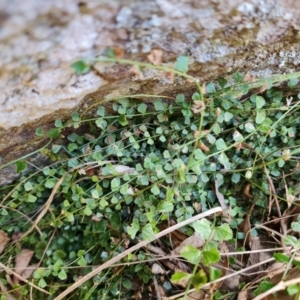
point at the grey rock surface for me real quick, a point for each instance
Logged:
(40, 39)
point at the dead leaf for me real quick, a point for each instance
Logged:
(218, 111)
(95, 218)
(4, 239)
(157, 269)
(123, 169)
(118, 51)
(254, 257)
(198, 106)
(197, 295)
(184, 281)
(21, 262)
(194, 240)
(28, 272)
(246, 191)
(249, 78)
(203, 147)
(245, 226)
(81, 172)
(243, 295)
(170, 75)
(89, 136)
(136, 71)
(155, 56)
(221, 199)
(263, 88)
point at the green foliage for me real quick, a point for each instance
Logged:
(80, 67)
(263, 287)
(147, 163)
(182, 64)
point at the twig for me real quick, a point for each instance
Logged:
(158, 297)
(276, 201)
(9, 271)
(282, 285)
(134, 248)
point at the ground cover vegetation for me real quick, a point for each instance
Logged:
(100, 221)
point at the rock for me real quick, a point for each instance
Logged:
(39, 40)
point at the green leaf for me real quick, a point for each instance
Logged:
(42, 283)
(222, 82)
(21, 165)
(39, 131)
(53, 133)
(214, 273)
(220, 144)
(72, 147)
(237, 136)
(295, 226)
(28, 186)
(87, 211)
(147, 232)
(260, 116)
(55, 148)
(280, 257)
(249, 127)
(134, 228)
(62, 275)
(73, 162)
(290, 240)
(50, 183)
(123, 120)
(159, 105)
(199, 279)
(31, 198)
(293, 82)
(80, 67)
(293, 289)
(237, 77)
(182, 64)
(224, 160)
(82, 262)
(170, 194)
(165, 206)
(155, 190)
(210, 88)
(235, 178)
(260, 102)
(199, 155)
(191, 254)
(248, 174)
(75, 117)
(103, 203)
(127, 284)
(210, 256)
(69, 216)
(203, 227)
(223, 233)
(196, 96)
(228, 116)
(180, 98)
(142, 108)
(101, 111)
(101, 123)
(58, 123)
(115, 183)
(180, 278)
